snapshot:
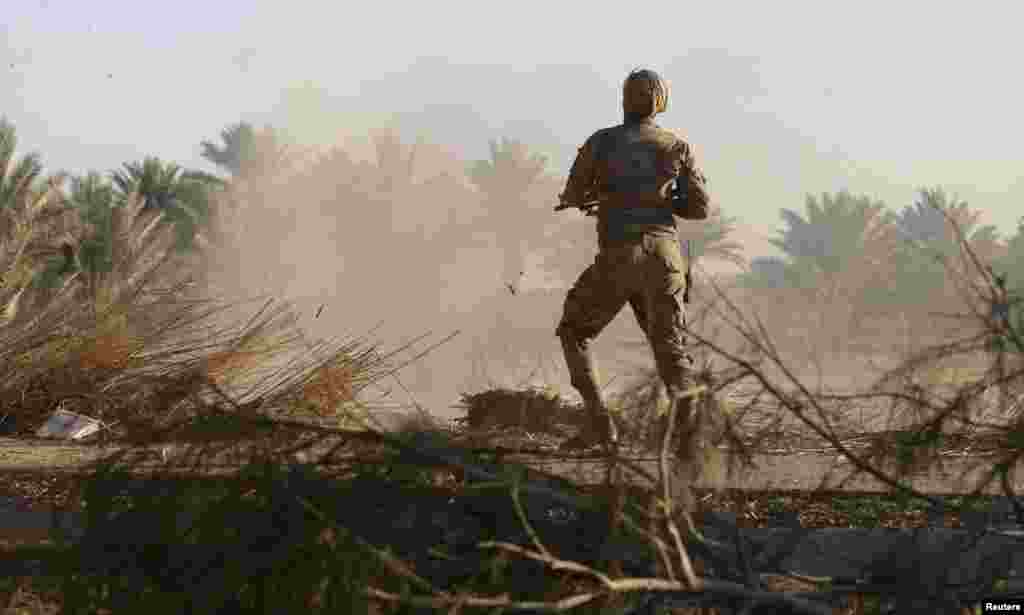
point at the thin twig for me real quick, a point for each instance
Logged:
(641, 584)
(497, 602)
(525, 521)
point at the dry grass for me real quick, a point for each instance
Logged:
(138, 345)
(223, 367)
(329, 388)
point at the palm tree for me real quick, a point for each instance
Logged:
(254, 160)
(931, 265)
(246, 153)
(24, 190)
(111, 235)
(838, 256)
(34, 225)
(139, 246)
(1012, 261)
(238, 140)
(511, 170)
(931, 245)
(17, 176)
(184, 197)
(94, 196)
(96, 245)
(395, 163)
(506, 181)
(116, 244)
(840, 231)
(1008, 271)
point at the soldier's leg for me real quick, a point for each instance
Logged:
(593, 302)
(676, 380)
(665, 315)
(684, 471)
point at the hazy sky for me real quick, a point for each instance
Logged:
(780, 99)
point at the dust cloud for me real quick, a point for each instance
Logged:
(391, 239)
(407, 241)
(401, 223)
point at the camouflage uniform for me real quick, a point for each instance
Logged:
(629, 170)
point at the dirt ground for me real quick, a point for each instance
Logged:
(792, 470)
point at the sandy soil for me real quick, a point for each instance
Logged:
(800, 470)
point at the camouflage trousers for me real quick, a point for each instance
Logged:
(649, 275)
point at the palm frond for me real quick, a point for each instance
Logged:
(511, 169)
(8, 146)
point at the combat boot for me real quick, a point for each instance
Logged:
(598, 430)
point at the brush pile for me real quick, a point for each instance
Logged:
(539, 415)
(108, 313)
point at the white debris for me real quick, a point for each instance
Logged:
(69, 426)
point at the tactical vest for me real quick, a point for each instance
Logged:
(637, 167)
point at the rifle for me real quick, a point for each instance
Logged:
(688, 277)
(589, 208)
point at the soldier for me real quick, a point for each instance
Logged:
(627, 172)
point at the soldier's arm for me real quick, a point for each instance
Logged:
(580, 188)
(694, 182)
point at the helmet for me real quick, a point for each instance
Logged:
(644, 93)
